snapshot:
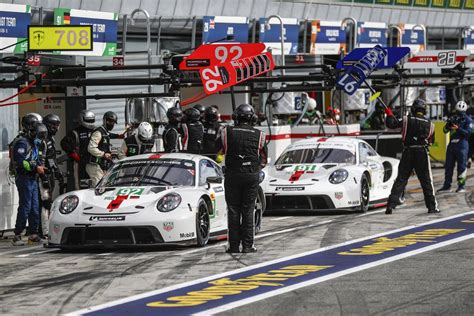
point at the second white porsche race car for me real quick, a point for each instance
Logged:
(329, 173)
(145, 200)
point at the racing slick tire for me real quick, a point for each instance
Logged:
(203, 224)
(364, 194)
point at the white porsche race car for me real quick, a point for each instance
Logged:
(329, 173)
(146, 200)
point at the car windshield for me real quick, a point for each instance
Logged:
(172, 172)
(317, 155)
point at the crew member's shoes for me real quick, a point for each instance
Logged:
(17, 241)
(389, 210)
(232, 250)
(249, 250)
(444, 189)
(35, 239)
(434, 211)
(461, 189)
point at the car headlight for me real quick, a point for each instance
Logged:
(261, 176)
(169, 202)
(338, 176)
(68, 204)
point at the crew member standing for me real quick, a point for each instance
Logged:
(212, 130)
(27, 167)
(75, 145)
(193, 132)
(245, 156)
(172, 133)
(100, 149)
(417, 136)
(460, 129)
(52, 172)
(139, 143)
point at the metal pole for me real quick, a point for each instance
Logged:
(193, 35)
(354, 32)
(305, 34)
(124, 34)
(148, 37)
(282, 38)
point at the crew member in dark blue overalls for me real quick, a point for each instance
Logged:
(459, 126)
(28, 167)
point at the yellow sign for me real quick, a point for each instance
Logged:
(60, 38)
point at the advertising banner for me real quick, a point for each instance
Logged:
(468, 37)
(444, 59)
(104, 28)
(14, 21)
(412, 37)
(225, 29)
(272, 37)
(370, 34)
(327, 38)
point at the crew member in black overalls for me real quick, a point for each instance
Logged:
(212, 131)
(139, 143)
(172, 133)
(193, 132)
(417, 136)
(245, 156)
(100, 149)
(52, 172)
(75, 145)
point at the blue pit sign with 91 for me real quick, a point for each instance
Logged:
(354, 76)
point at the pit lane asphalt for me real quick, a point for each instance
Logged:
(42, 281)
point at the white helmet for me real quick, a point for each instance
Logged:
(145, 131)
(87, 119)
(311, 104)
(461, 106)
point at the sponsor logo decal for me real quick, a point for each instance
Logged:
(289, 189)
(338, 195)
(186, 235)
(56, 228)
(107, 218)
(168, 226)
(353, 202)
(218, 189)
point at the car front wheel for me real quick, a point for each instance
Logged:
(364, 194)
(202, 224)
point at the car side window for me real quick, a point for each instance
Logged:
(363, 153)
(206, 169)
(371, 152)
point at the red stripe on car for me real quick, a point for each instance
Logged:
(115, 204)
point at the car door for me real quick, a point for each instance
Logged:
(208, 168)
(373, 162)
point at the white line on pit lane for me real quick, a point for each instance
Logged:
(280, 218)
(23, 248)
(36, 253)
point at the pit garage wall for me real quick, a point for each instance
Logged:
(8, 130)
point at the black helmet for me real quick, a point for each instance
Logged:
(200, 108)
(211, 114)
(174, 115)
(52, 122)
(192, 115)
(244, 113)
(28, 121)
(87, 119)
(418, 106)
(39, 131)
(109, 120)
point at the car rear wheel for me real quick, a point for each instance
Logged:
(258, 213)
(202, 224)
(364, 194)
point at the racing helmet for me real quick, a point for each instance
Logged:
(87, 119)
(145, 131)
(461, 106)
(109, 120)
(418, 106)
(39, 131)
(244, 113)
(174, 115)
(52, 122)
(201, 109)
(211, 114)
(192, 115)
(28, 121)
